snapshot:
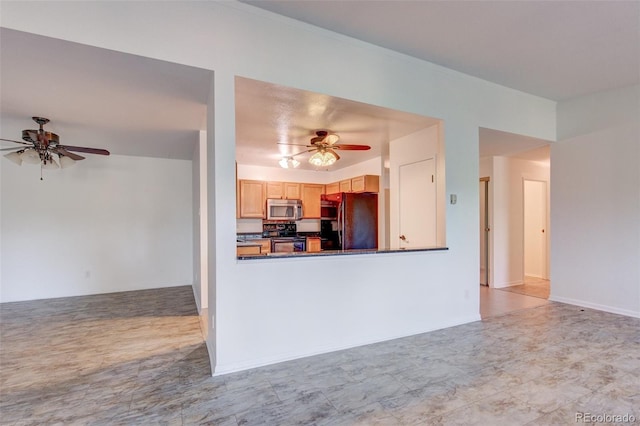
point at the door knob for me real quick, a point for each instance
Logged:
(403, 238)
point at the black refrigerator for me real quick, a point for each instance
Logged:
(357, 220)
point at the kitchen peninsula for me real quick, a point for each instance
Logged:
(323, 253)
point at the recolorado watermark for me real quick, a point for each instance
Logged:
(605, 418)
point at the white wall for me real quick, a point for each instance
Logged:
(596, 202)
(200, 225)
(106, 224)
(256, 316)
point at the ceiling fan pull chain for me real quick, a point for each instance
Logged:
(41, 171)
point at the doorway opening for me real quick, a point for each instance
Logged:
(506, 160)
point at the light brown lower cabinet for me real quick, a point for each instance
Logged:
(247, 250)
(265, 245)
(313, 244)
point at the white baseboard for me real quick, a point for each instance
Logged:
(261, 362)
(596, 306)
(196, 297)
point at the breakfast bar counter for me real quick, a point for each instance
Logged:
(325, 253)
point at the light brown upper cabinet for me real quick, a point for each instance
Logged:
(252, 199)
(283, 190)
(292, 191)
(333, 188)
(345, 185)
(311, 193)
(366, 183)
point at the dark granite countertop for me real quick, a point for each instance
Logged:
(338, 253)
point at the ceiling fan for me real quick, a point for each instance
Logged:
(324, 147)
(39, 146)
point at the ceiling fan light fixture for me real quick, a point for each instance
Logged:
(329, 158)
(15, 157)
(30, 156)
(288, 163)
(323, 158)
(66, 161)
(50, 164)
(316, 159)
(43, 146)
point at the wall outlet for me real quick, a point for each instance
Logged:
(453, 198)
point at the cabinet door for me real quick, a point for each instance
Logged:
(357, 184)
(275, 190)
(333, 188)
(313, 244)
(265, 245)
(366, 183)
(345, 185)
(311, 193)
(292, 191)
(252, 199)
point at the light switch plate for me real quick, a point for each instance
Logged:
(453, 198)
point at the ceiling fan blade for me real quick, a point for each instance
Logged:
(352, 147)
(62, 151)
(12, 149)
(302, 152)
(84, 149)
(20, 142)
(331, 139)
(295, 144)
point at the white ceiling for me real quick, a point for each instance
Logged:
(139, 106)
(554, 49)
(99, 98)
(268, 114)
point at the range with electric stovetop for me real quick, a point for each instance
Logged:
(284, 237)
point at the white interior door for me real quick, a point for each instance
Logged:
(417, 210)
(535, 228)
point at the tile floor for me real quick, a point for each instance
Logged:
(494, 302)
(138, 358)
(536, 287)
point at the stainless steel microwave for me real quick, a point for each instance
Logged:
(278, 209)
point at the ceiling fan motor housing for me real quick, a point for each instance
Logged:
(51, 137)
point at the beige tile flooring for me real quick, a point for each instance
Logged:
(138, 358)
(494, 302)
(532, 286)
